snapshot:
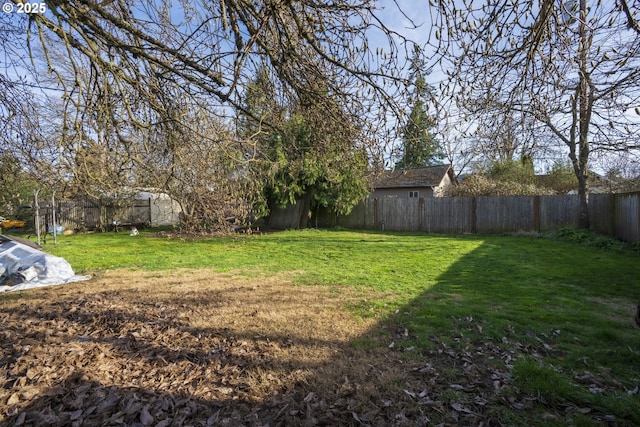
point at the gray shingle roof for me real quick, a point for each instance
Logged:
(429, 176)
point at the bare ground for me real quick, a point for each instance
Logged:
(199, 348)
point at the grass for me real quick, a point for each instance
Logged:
(551, 318)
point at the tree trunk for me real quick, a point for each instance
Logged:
(303, 213)
(583, 194)
(585, 105)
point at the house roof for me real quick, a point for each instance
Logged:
(428, 176)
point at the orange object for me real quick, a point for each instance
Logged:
(13, 223)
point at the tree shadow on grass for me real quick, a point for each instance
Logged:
(183, 357)
(506, 306)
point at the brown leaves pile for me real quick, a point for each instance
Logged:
(190, 349)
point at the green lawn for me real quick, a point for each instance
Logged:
(553, 317)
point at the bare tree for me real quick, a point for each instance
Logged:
(145, 91)
(504, 134)
(214, 48)
(573, 67)
(143, 83)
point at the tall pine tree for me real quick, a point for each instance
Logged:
(420, 147)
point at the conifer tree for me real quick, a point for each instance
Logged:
(420, 146)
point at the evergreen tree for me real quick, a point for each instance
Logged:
(299, 154)
(420, 147)
(16, 186)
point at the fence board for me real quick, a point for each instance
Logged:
(602, 213)
(504, 214)
(558, 211)
(400, 214)
(627, 217)
(448, 215)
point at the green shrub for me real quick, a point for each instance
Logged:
(483, 185)
(561, 178)
(502, 178)
(587, 238)
(514, 171)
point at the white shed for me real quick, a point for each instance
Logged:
(164, 210)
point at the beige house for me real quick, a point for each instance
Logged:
(428, 181)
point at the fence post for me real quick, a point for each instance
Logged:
(150, 212)
(474, 215)
(636, 238)
(613, 208)
(375, 213)
(536, 213)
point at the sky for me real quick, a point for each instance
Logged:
(412, 19)
(414, 22)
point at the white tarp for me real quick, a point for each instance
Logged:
(24, 267)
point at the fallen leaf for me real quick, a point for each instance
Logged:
(410, 393)
(459, 407)
(76, 414)
(20, 420)
(480, 401)
(15, 398)
(145, 417)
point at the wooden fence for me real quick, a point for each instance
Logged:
(617, 215)
(91, 215)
